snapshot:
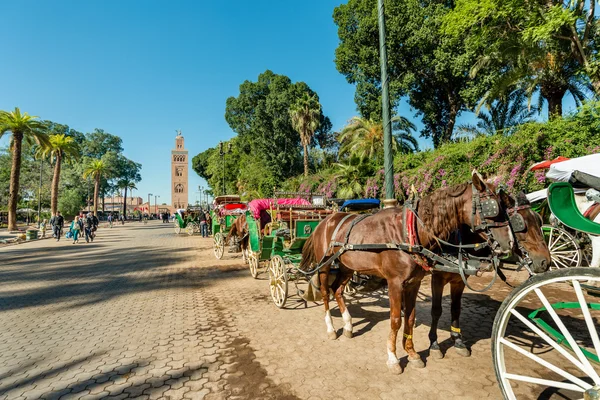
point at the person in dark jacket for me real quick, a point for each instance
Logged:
(57, 222)
(203, 224)
(91, 223)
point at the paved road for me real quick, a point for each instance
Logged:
(144, 313)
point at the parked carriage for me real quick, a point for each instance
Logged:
(188, 220)
(569, 247)
(561, 321)
(278, 229)
(225, 210)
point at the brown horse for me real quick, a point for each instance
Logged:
(531, 248)
(239, 231)
(445, 211)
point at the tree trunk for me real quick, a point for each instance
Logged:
(125, 203)
(596, 85)
(96, 193)
(451, 122)
(55, 180)
(15, 174)
(305, 160)
(554, 105)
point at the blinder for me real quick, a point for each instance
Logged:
(490, 208)
(517, 222)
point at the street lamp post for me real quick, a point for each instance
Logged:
(390, 200)
(222, 153)
(149, 194)
(40, 194)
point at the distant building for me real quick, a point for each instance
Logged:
(179, 173)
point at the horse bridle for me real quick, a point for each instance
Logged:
(517, 224)
(487, 206)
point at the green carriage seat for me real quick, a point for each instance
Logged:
(561, 199)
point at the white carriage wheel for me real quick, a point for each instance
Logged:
(563, 247)
(278, 281)
(177, 227)
(218, 245)
(572, 365)
(191, 228)
(253, 264)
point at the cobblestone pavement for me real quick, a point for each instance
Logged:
(144, 313)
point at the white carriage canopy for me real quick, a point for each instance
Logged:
(575, 169)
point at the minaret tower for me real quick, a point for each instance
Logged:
(179, 173)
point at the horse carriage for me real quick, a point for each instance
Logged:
(187, 220)
(225, 211)
(277, 231)
(571, 247)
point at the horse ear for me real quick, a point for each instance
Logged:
(478, 181)
(506, 198)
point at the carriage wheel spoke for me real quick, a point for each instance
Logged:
(588, 318)
(565, 332)
(546, 364)
(549, 340)
(544, 382)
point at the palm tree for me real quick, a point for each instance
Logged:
(363, 137)
(23, 127)
(61, 148)
(350, 177)
(126, 184)
(96, 168)
(306, 114)
(502, 118)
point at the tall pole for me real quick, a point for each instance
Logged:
(88, 194)
(40, 194)
(149, 194)
(156, 204)
(388, 162)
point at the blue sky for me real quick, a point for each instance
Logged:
(142, 69)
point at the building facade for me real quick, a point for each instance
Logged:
(179, 173)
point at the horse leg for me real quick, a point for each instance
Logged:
(457, 288)
(410, 301)
(324, 280)
(437, 290)
(395, 295)
(338, 286)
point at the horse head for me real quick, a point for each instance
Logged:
(487, 218)
(531, 248)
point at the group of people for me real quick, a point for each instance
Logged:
(111, 219)
(80, 226)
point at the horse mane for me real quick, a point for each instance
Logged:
(521, 199)
(440, 211)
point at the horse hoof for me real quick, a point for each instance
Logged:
(395, 368)
(418, 363)
(348, 334)
(331, 335)
(462, 351)
(436, 354)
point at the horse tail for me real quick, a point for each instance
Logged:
(308, 254)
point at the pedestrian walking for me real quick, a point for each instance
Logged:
(208, 223)
(203, 224)
(75, 229)
(110, 220)
(57, 223)
(43, 227)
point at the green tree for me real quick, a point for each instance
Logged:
(503, 117)
(96, 169)
(538, 46)
(59, 148)
(23, 127)
(364, 138)
(260, 117)
(424, 64)
(306, 113)
(351, 177)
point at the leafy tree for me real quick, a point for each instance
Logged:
(98, 143)
(60, 148)
(364, 138)
(537, 46)
(424, 64)
(306, 113)
(96, 169)
(504, 116)
(23, 127)
(260, 116)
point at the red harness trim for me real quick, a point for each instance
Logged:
(590, 210)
